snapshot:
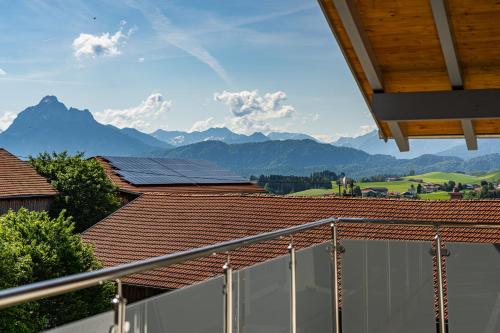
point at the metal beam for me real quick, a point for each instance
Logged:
(470, 135)
(398, 135)
(348, 14)
(437, 105)
(446, 40)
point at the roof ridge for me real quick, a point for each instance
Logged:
(298, 197)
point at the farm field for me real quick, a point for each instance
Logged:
(442, 177)
(439, 195)
(403, 185)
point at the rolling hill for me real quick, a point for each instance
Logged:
(403, 185)
(301, 157)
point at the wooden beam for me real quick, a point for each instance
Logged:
(349, 16)
(470, 135)
(398, 135)
(437, 105)
(447, 42)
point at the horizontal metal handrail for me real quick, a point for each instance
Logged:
(37, 290)
(418, 223)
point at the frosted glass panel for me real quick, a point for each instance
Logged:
(473, 281)
(387, 286)
(98, 323)
(262, 294)
(313, 281)
(197, 309)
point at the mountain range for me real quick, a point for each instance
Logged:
(372, 144)
(301, 157)
(223, 134)
(51, 126)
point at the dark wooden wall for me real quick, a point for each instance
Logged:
(37, 204)
(136, 293)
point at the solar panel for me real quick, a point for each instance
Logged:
(169, 171)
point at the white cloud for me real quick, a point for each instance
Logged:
(365, 129)
(2, 72)
(178, 37)
(326, 138)
(6, 120)
(106, 45)
(203, 125)
(143, 117)
(254, 112)
(141, 60)
(362, 130)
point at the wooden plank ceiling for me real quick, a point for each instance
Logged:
(402, 43)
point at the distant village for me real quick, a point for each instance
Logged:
(455, 190)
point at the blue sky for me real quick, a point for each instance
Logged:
(249, 65)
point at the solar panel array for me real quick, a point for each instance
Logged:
(168, 171)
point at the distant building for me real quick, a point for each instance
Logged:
(456, 195)
(367, 192)
(136, 175)
(22, 186)
(393, 179)
(408, 194)
(374, 192)
(429, 187)
(379, 190)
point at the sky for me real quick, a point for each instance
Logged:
(260, 65)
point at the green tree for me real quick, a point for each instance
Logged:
(419, 188)
(451, 185)
(357, 191)
(471, 195)
(85, 192)
(35, 247)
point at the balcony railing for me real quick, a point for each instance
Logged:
(386, 286)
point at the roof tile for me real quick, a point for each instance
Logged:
(158, 223)
(19, 179)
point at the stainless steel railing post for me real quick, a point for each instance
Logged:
(442, 326)
(293, 295)
(335, 281)
(119, 303)
(228, 293)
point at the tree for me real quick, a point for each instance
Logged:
(35, 247)
(357, 191)
(451, 185)
(85, 191)
(419, 188)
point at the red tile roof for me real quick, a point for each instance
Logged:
(156, 224)
(19, 179)
(125, 186)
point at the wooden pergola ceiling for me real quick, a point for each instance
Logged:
(427, 68)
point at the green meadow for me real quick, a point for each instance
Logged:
(403, 185)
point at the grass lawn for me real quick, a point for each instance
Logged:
(403, 185)
(439, 195)
(397, 186)
(444, 177)
(491, 177)
(313, 192)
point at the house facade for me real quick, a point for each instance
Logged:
(21, 186)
